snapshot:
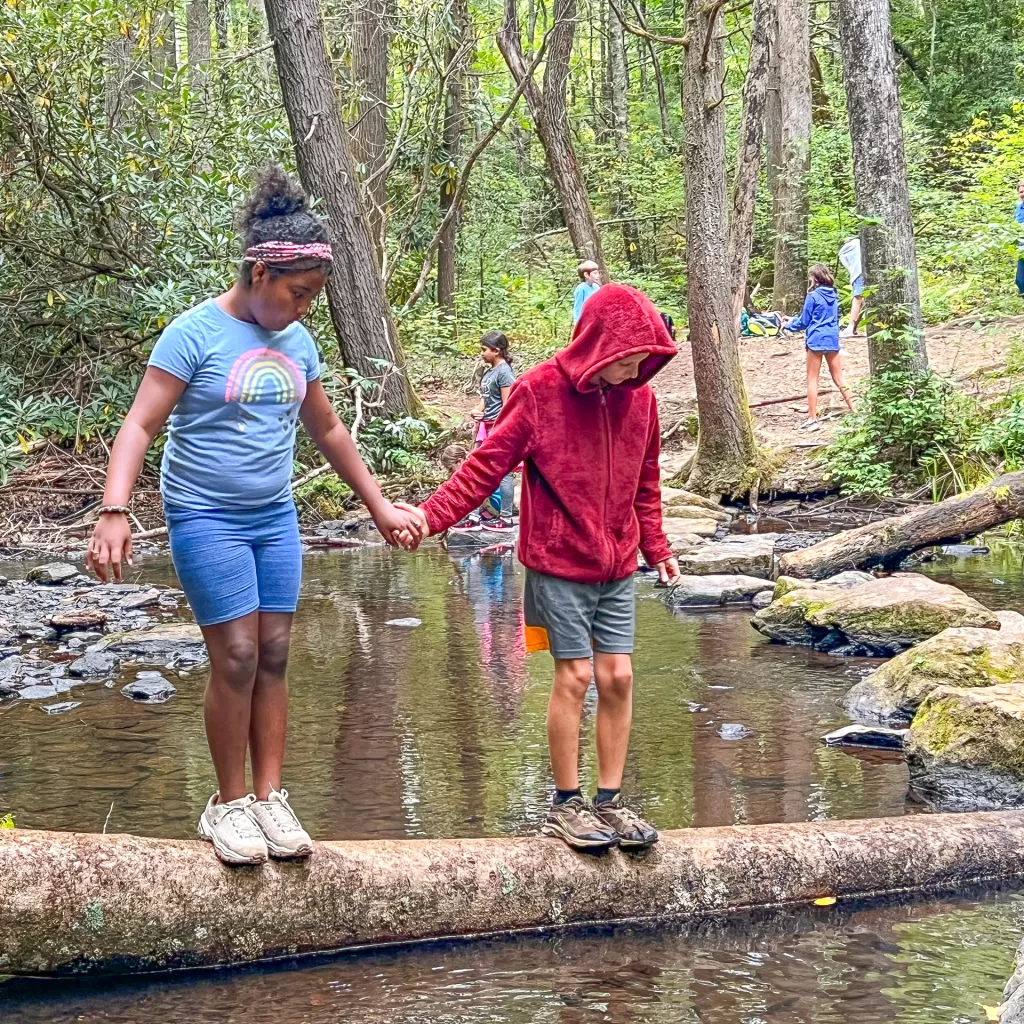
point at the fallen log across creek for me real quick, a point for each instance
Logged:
(887, 542)
(75, 904)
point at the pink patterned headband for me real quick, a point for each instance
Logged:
(288, 252)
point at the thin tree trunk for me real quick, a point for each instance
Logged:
(220, 21)
(163, 41)
(623, 205)
(726, 457)
(791, 205)
(454, 126)
(550, 117)
(370, 36)
(895, 337)
(200, 46)
(359, 308)
(748, 152)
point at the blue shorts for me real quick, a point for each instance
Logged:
(231, 562)
(857, 286)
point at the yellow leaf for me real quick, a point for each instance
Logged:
(991, 1012)
(824, 901)
(632, 246)
(11, 36)
(22, 443)
(125, 28)
(49, 298)
(12, 3)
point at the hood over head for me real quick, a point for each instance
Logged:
(617, 321)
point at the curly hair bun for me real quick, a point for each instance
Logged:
(277, 194)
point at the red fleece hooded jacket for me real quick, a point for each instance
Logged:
(591, 491)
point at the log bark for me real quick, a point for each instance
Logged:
(547, 105)
(92, 904)
(888, 542)
(359, 309)
(895, 335)
(791, 204)
(748, 151)
(726, 456)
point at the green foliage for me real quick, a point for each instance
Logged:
(7, 821)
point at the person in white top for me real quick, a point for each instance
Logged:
(850, 257)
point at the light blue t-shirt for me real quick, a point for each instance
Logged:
(583, 292)
(231, 437)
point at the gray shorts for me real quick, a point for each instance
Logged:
(581, 617)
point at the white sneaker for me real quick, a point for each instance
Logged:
(808, 425)
(276, 820)
(235, 837)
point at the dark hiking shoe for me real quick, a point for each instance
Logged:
(576, 823)
(634, 832)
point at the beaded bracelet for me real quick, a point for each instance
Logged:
(122, 509)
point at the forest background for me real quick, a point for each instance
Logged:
(129, 134)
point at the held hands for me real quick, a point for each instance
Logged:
(401, 525)
(110, 544)
(668, 571)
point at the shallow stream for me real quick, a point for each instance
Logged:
(438, 730)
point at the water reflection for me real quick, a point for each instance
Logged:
(439, 730)
(936, 963)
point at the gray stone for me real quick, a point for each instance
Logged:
(734, 731)
(1011, 1010)
(476, 540)
(761, 599)
(94, 665)
(179, 643)
(409, 623)
(53, 574)
(750, 555)
(713, 591)
(37, 692)
(680, 532)
(59, 709)
(150, 690)
(133, 602)
(866, 736)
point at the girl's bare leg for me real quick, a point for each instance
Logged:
(835, 368)
(813, 370)
(268, 722)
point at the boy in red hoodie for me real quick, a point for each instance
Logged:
(585, 425)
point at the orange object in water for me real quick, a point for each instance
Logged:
(536, 639)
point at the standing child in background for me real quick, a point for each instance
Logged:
(850, 257)
(495, 385)
(820, 319)
(234, 374)
(585, 424)
(1019, 217)
(590, 281)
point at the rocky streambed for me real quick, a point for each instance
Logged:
(61, 629)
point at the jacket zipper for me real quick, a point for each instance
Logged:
(607, 431)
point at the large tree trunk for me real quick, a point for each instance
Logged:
(887, 543)
(359, 308)
(200, 46)
(895, 338)
(748, 151)
(370, 34)
(454, 126)
(726, 456)
(791, 205)
(618, 110)
(551, 119)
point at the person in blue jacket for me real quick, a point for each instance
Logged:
(1019, 217)
(819, 319)
(590, 281)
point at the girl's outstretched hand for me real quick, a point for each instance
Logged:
(401, 525)
(111, 542)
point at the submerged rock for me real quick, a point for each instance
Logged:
(94, 664)
(53, 574)
(180, 643)
(962, 657)
(965, 748)
(734, 731)
(59, 709)
(149, 688)
(714, 591)
(409, 623)
(866, 736)
(880, 617)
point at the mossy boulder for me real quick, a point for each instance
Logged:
(963, 657)
(881, 617)
(966, 747)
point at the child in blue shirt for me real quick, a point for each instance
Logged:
(590, 281)
(1019, 217)
(819, 319)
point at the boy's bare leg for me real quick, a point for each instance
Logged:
(572, 677)
(613, 674)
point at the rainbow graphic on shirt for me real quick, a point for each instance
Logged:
(265, 376)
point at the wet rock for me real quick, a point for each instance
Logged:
(842, 580)
(964, 550)
(475, 540)
(79, 618)
(680, 532)
(153, 689)
(53, 574)
(409, 623)
(179, 643)
(59, 709)
(10, 675)
(1011, 1010)
(677, 497)
(965, 748)
(713, 591)
(750, 555)
(866, 736)
(734, 731)
(963, 657)
(881, 617)
(96, 664)
(762, 599)
(146, 599)
(37, 692)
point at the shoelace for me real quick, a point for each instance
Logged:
(242, 823)
(281, 813)
(587, 816)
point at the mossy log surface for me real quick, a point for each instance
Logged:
(115, 904)
(888, 542)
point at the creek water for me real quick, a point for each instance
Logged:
(438, 730)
